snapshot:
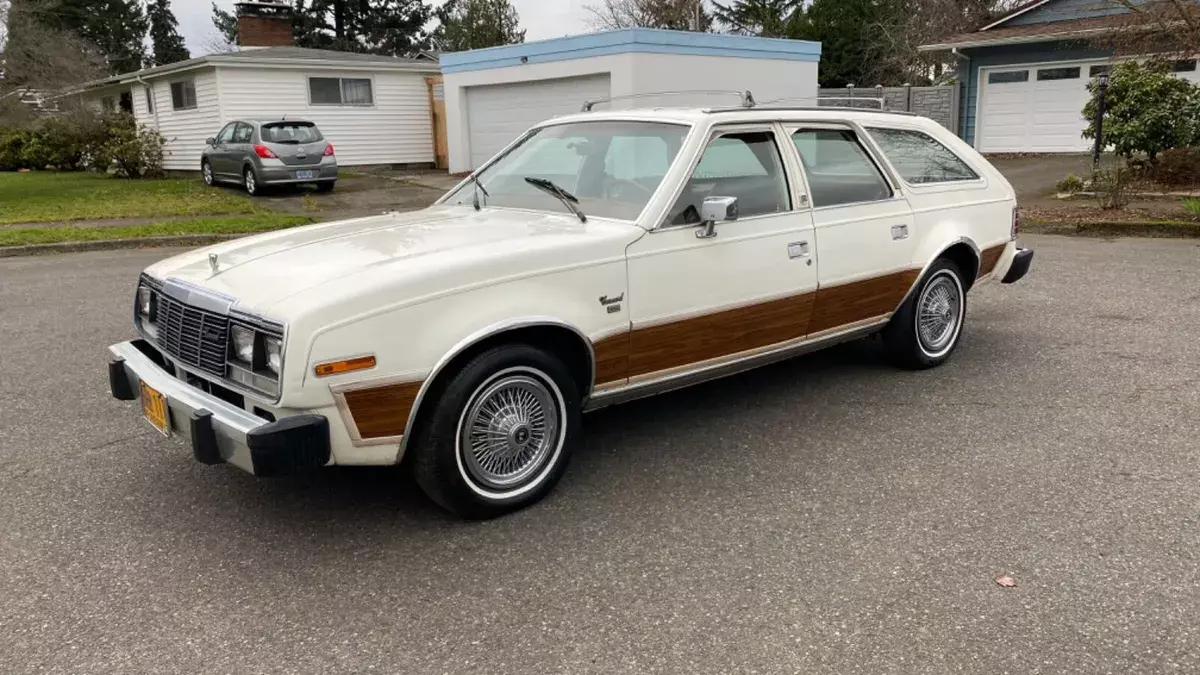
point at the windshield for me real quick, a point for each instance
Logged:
(291, 132)
(613, 168)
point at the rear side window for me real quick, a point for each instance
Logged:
(839, 170)
(293, 133)
(919, 158)
(243, 134)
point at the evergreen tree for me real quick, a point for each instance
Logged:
(851, 51)
(761, 18)
(164, 33)
(226, 24)
(117, 28)
(477, 24)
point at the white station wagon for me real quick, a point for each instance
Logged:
(601, 257)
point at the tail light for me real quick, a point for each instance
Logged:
(1016, 224)
(264, 152)
(329, 150)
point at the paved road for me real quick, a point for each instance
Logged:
(828, 515)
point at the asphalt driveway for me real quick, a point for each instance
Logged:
(826, 515)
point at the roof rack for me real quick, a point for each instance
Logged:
(746, 97)
(814, 108)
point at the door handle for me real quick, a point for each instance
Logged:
(798, 249)
(899, 232)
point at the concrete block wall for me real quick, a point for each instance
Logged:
(937, 103)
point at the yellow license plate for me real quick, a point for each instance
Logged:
(154, 409)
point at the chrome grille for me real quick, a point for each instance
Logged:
(193, 336)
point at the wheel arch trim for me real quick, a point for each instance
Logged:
(938, 256)
(487, 333)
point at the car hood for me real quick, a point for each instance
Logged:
(443, 241)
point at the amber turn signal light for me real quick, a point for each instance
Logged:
(347, 366)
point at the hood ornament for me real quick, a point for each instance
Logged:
(213, 263)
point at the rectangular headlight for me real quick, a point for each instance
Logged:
(273, 347)
(242, 339)
(145, 302)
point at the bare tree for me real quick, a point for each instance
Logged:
(37, 60)
(669, 14)
(1166, 27)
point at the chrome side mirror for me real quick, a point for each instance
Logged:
(716, 210)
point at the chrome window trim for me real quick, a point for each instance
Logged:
(714, 132)
(977, 181)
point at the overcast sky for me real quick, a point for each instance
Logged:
(540, 18)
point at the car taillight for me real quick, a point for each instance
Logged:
(329, 150)
(265, 152)
(1016, 224)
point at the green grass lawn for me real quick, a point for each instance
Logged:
(45, 197)
(208, 225)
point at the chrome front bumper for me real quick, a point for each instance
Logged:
(218, 431)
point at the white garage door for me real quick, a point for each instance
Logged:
(497, 114)
(1035, 109)
(1040, 108)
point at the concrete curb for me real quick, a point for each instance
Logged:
(113, 244)
(1161, 230)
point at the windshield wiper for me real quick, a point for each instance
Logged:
(474, 178)
(568, 199)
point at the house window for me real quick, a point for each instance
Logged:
(109, 103)
(340, 91)
(921, 159)
(1058, 74)
(149, 101)
(1009, 77)
(1184, 66)
(1097, 71)
(183, 94)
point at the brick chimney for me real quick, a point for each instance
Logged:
(264, 23)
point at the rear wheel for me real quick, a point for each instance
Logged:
(498, 434)
(250, 180)
(326, 185)
(926, 329)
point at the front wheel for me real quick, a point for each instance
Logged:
(926, 329)
(206, 172)
(498, 437)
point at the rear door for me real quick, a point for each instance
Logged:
(242, 148)
(297, 144)
(864, 229)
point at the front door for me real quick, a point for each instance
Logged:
(218, 155)
(864, 230)
(699, 303)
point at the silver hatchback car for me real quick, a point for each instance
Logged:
(260, 154)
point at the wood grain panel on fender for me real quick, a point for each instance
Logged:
(612, 358)
(711, 336)
(380, 412)
(859, 300)
(989, 259)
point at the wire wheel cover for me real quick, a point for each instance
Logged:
(510, 430)
(938, 313)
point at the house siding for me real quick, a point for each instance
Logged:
(1063, 10)
(988, 57)
(184, 130)
(395, 130)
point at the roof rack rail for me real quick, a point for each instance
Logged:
(816, 108)
(746, 97)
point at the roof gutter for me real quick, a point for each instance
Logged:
(1017, 40)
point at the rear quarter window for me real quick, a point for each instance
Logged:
(291, 132)
(920, 159)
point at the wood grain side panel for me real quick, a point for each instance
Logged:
(701, 338)
(859, 300)
(989, 258)
(612, 359)
(382, 411)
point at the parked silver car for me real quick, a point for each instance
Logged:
(260, 154)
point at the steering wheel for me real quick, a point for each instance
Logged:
(618, 184)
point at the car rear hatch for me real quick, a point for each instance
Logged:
(295, 143)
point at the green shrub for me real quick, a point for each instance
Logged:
(1069, 185)
(1148, 110)
(35, 152)
(1192, 206)
(128, 150)
(11, 142)
(1178, 166)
